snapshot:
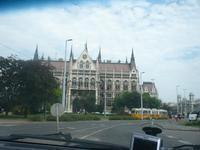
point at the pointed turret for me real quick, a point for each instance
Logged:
(126, 61)
(99, 55)
(86, 49)
(42, 58)
(36, 53)
(132, 57)
(71, 55)
(132, 63)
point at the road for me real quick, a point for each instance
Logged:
(118, 132)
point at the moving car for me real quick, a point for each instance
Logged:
(195, 115)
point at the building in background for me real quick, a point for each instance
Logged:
(196, 105)
(188, 105)
(106, 79)
(150, 87)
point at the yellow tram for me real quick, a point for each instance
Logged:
(149, 113)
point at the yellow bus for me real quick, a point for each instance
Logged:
(148, 113)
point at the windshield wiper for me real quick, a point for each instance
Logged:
(57, 137)
(195, 147)
(60, 137)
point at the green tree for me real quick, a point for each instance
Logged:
(150, 102)
(9, 82)
(126, 99)
(85, 101)
(40, 88)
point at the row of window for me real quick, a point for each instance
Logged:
(84, 64)
(109, 85)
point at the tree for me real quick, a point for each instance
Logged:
(150, 102)
(9, 82)
(85, 101)
(126, 99)
(39, 88)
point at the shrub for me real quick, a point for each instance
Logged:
(121, 117)
(193, 123)
(35, 118)
(74, 117)
(2, 116)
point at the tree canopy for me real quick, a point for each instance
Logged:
(10, 70)
(126, 99)
(27, 85)
(133, 100)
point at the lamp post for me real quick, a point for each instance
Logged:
(105, 102)
(141, 92)
(185, 111)
(177, 86)
(64, 77)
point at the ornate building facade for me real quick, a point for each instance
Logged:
(105, 79)
(150, 87)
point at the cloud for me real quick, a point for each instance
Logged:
(164, 35)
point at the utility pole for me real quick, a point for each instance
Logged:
(185, 111)
(105, 103)
(64, 99)
(141, 92)
(177, 86)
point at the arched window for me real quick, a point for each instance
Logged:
(74, 82)
(87, 64)
(102, 85)
(117, 85)
(92, 83)
(80, 82)
(86, 83)
(125, 85)
(81, 64)
(133, 86)
(109, 85)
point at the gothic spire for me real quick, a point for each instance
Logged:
(99, 55)
(86, 47)
(132, 57)
(132, 63)
(71, 54)
(126, 61)
(36, 53)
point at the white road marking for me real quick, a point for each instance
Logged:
(94, 139)
(98, 131)
(85, 129)
(184, 142)
(67, 128)
(170, 136)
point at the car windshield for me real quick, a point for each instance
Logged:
(100, 70)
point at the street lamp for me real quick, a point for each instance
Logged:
(64, 78)
(177, 86)
(184, 91)
(141, 92)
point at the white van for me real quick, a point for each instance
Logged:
(194, 116)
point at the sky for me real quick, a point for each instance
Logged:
(164, 34)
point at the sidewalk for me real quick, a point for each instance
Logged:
(179, 126)
(13, 121)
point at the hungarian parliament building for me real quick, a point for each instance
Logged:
(106, 79)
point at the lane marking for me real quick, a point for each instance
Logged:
(67, 128)
(170, 136)
(184, 142)
(85, 129)
(98, 131)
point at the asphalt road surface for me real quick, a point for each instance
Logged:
(117, 132)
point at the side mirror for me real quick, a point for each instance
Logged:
(152, 130)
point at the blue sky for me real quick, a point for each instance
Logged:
(165, 35)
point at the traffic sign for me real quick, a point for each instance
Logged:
(57, 109)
